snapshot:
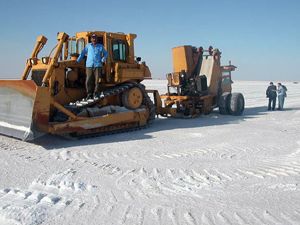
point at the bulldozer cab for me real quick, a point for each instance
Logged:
(121, 64)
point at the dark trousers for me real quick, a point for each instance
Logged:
(272, 101)
(93, 76)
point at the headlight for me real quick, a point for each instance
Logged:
(33, 61)
(45, 60)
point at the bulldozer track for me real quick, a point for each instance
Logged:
(106, 131)
(107, 93)
(111, 92)
(76, 107)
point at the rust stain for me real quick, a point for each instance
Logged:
(25, 87)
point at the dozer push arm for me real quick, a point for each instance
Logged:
(40, 42)
(61, 37)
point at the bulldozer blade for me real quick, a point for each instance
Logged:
(16, 108)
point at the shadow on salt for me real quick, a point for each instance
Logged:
(50, 142)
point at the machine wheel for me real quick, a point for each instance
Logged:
(236, 104)
(132, 98)
(224, 103)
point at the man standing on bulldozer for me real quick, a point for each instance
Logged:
(96, 56)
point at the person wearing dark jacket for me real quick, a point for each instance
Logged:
(272, 95)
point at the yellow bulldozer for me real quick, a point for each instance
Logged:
(198, 84)
(50, 96)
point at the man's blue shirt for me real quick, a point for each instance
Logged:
(96, 55)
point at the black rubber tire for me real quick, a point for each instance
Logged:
(224, 103)
(236, 104)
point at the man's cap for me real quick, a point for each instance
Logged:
(94, 35)
(271, 82)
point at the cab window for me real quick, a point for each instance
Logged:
(119, 49)
(71, 47)
(80, 45)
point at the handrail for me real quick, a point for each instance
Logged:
(61, 37)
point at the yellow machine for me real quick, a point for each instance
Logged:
(198, 85)
(49, 96)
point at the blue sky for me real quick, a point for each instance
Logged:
(262, 38)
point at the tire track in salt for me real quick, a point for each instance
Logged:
(42, 199)
(132, 182)
(131, 214)
(248, 217)
(9, 147)
(229, 151)
(112, 202)
(173, 215)
(221, 151)
(271, 170)
(256, 219)
(28, 156)
(289, 218)
(11, 144)
(271, 218)
(165, 182)
(121, 208)
(181, 154)
(86, 156)
(125, 215)
(190, 218)
(141, 216)
(289, 165)
(134, 213)
(240, 219)
(223, 218)
(157, 212)
(22, 150)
